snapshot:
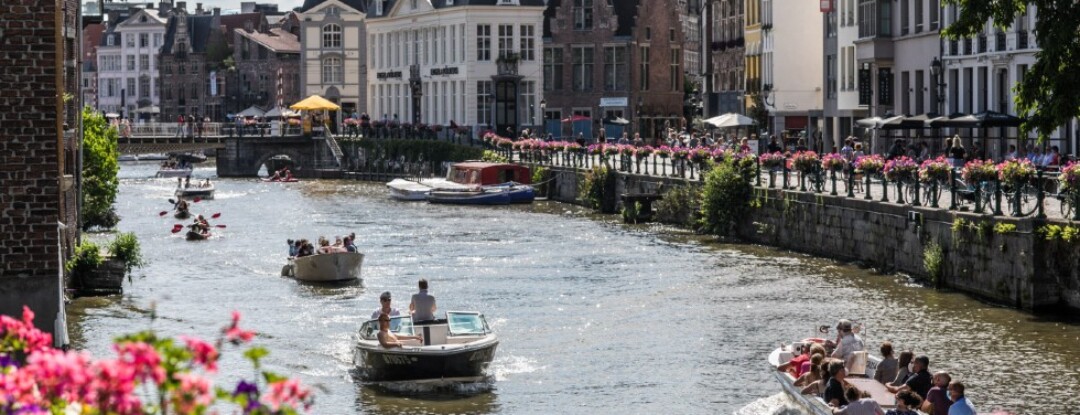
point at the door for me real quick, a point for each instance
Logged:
(506, 123)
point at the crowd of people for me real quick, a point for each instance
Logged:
(422, 308)
(302, 247)
(822, 370)
(185, 182)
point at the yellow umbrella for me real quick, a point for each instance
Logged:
(314, 103)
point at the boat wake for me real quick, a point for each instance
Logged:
(439, 387)
(779, 404)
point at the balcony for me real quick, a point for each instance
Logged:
(508, 64)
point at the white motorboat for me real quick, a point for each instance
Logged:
(174, 172)
(193, 192)
(459, 346)
(468, 176)
(340, 266)
(814, 404)
(417, 190)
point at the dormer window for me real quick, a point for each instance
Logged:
(333, 11)
(413, 4)
(378, 7)
(142, 19)
(109, 40)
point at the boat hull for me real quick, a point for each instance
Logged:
(174, 173)
(410, 364)
(191, 193)
(344, 266)
(470, 198)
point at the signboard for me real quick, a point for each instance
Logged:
(866, 91)
(447, 70)
(826, 6)
(213, 83)
(614, 102)
(388, 75)
(754, 146)
(885, 79)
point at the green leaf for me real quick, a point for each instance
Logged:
(255, 354)
(272, 377)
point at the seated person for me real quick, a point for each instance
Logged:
(906, 402)
(859, 403)
(794, 366)
(294, 248)
(937, 399)
(813, 373)
(834, 389)
(324, 247)
(422, 306)
(276, 176)
(388, 339)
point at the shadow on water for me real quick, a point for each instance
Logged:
(426, 397)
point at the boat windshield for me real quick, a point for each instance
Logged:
(461, 322)
(398, 325)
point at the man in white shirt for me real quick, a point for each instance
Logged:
(422, 306)
(846, 341)
(385, 308)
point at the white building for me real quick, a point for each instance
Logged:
(842, 107)
(332, 53)
(792, 65)
(128, 65)
(477, 63)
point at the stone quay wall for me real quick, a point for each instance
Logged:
(1018, 268)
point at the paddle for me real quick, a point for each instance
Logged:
(196, 200)
(220, 226)
(163, 213)
(215, 216)
(177, 227)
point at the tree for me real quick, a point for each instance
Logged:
(1046, 97)
(100, 166)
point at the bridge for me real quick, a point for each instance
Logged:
(238, 155)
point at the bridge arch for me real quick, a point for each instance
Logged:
(265, 156)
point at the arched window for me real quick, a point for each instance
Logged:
(332, 71)
(331, 36)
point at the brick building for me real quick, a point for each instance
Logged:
(609, 60)
(268, 64)
(39, 75)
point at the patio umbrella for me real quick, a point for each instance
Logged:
(152, 109)
(252, 111)
(871, 122)
(730, 120)
(997, 119)
(314, 103)
(112, 115)
(617, 121)
(576, 118)
(891, 123)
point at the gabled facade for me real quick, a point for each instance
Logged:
(127, 65)
(333, 52)
(471, 62)
(269, 66)
(725, 57)
(792, 67)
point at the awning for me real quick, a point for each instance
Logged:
(796, 123)
(280, 112)
(153, 109)
(252, 111)
(730, 120)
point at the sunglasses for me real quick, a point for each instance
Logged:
(384, 299)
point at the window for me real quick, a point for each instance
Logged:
(675, 59)
(671, 35)
(484, 99)
(643, 72)
(144, 87)
(648, 33)
(905, 17)
(506, 39)
(615, 69)
(130, 40)
(935, 14)
(144, 62)
(583, 18)
(130, 62)
(331, 36)
(331, 70)
(157, 40)
(144, 40)
(583, 68)
(130, 87)
(553, 69)
(527, 113)
(918, 16)
(109, 40)
(528, 42)
(483, 42)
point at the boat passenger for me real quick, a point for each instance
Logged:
(306, 249)
(384, 308)
(904, 368)
(795, 365)
(919, 381)
(350, 242)
(187, 182)
(813, 374)
(834, 388)
(200, 225)
(179, 182)
(847, 342)
(294, 248)
(324, 246)
(422, 306)
(906, 402)
(388, 339)
(937, 399)
(815, 349)
(860, 403)
(818, 387)
(886, 369)
(181, 206)
(960, 406)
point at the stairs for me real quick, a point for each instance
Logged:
(335, 149)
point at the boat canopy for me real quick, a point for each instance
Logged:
(486, 174)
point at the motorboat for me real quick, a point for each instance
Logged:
(169, 173)
(469, 176)
(188, 157)
(471, 197)
(861, 370)
(339, 266)
(459, 346)
(206, 192)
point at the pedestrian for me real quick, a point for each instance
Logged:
(179, 126)
(384, 307)
(422, 307)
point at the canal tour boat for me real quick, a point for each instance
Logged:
(814, 404)
(476, 178)
(206, 192)
(335, 267)
(457, 347)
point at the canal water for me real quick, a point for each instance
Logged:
(594, 316)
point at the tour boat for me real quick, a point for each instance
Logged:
(340, 266)
(470, 176)
(195, 192)
(174, 172)
(470, 197)
(459, 346)
(197, 236)
(814, 404)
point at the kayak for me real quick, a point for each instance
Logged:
(182, 214)
(197, 236)
(289, 180)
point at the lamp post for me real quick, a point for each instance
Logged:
(543, 116)
(939, 87)
(637, 114)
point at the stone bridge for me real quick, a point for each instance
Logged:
(242, 157)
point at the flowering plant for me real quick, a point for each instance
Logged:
(663, 152)
(805, 161)
(872, 164)
(719, 155)
(518, 145)
(38, 379)
(294, 121)
(611, 150)
(572, 147)
(935, 170)
(772, 161)
(744, 161)
(1070, 177)
(351, 122)
(833, 162)
(976, 171)
(626, 150)
(595, 149)
(700, 154)
(504, 143)
(1016, 172)
(900, 168)
(642, 152)
(680, 153)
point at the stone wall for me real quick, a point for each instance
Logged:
(1018, 268)
(34, 195)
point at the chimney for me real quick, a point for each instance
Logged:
(198, 9)
(165, 7)
(181, 6)
(217, 12)
(249, 26)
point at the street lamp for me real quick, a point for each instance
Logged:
(543, 115)
(939, 89)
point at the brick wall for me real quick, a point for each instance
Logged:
(31, 157)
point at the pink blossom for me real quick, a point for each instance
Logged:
(203, 353)
(192, 393)
(234, 333)
(59, 374)
(289, 393)
(143, 359)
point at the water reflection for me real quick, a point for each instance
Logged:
(401, 399)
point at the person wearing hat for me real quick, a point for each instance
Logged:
(846, 341)
(385, 308)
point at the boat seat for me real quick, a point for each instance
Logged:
(433, 334)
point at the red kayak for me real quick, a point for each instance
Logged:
(289, 180)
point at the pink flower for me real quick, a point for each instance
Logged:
(143, 360)
(289, 393)
(64, 375)
(235, 334)
(192, 394)
(203, 353)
